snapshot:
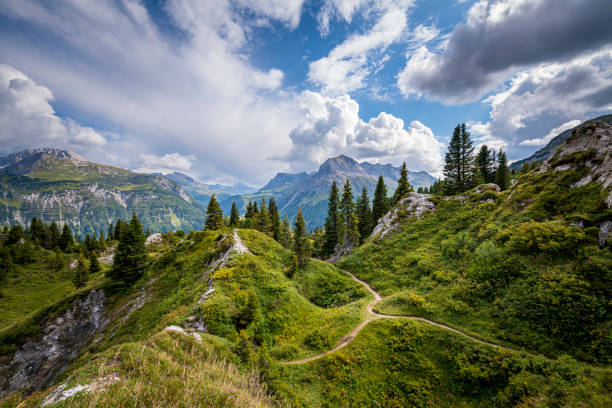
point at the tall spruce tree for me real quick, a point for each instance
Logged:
(54, 235)
(130, 257)
(380, 204)
(364, 215)
(485, 162)
(403, 186)
(331, 222)
(94, 264)
(274, 220)
(349, 232)
(234, 215)
(214, 215)
(502, 175)
(286, 235)
(263, 223)
(459, 161)
(301, 245)
(109, 235)
(467, 159)
(80, 276)
(66, 240)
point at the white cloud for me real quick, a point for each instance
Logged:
(287, 11)
(551, 135)
(332, 126)
(349, 64)
(165, 164)
(27, 118)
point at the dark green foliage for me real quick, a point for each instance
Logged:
(316, 340)
(332, 220)
(130, 256)
(301, 244)
(80, 274)
(111, 231)
(502, 175)
(275, 220)
(214, 215)
(15, 234)
(245, 316)
(459, 161)
(364, 215)
(348, 233)
(244, 348)
(54, 236)
(94, 264)
(234, 215)
(485, 163)
(403, 186)
(286, 237)
(380, 204)
(262, 221)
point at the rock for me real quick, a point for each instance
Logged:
(153, 239)
(605, 230)
(486, 187)
(108, 256)
(414, 203)
(39, 360)
(61, 393)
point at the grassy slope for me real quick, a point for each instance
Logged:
(512, 270)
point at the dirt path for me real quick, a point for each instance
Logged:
(372, 315)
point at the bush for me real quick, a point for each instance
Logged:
(316, 340)
(551, 238)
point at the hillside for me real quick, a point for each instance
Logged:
(548, 150)
(61, 186)
(310, 191)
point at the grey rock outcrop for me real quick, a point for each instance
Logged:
(487, 187)
(414, 204)
(40, 359)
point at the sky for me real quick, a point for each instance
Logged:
(237, 90)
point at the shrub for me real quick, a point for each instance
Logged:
(316, 340)
(551, 238)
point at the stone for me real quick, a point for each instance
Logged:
(486, 187)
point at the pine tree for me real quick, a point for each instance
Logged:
(118, 229)
(109, 235)
(485, 161)
(94, 264)
(380, 203)
(80, 276)
(234, 215)
(263, 223)
(525, 168)
(364, 215)
(331, 222)
(301, 245)
(275, 220)
(214, 215)
(54, 235)
(502, 175)
(15, 234)
(130, 257)
(403, 186)
(452, 163)
(349, 228)
(102, 241)
(66, 240)
(286, 237)
(467, 159)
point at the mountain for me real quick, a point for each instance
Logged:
(62, 186)
(202, 192)
(310, 191)
(548, 150)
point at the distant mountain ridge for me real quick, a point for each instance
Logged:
(62, 186)
(310, 191)
(548, 150)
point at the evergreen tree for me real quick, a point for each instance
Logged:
(286, 236)
(66, 240)
(118, 229)
(301, 245)
(147, 233)
(467, 159)
(364, 215)
(130, 257)
(234, 215)
(110, 232)
(214, 215)
(275, 220)
(502, 175)
(88, 245)
(58, 261)
(331, 222)
(80, 276)
(102, 241)
(485, 161)
(263, 223)
(349, 229)
(525, 168)
(15, 234)
(477, 178)
(249, 211)
(54, 235)
(380, 203)
(452, 163)
(94, 264)
(403, 186)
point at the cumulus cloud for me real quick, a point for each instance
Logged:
(348, 65)
(27, 119)
(500, 37)
(332, 126)
(551, 95)
(165, 164)
(551, 135)
(190, 88)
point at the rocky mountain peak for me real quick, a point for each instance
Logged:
(35, 154)
(338, 165)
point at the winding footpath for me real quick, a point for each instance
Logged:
(372, 315)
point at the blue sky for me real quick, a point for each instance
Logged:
(236, 90)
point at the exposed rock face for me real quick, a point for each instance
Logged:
(414, 204)
(594, 137)
(39, 360)
(153, 239)
(487, 187)
(605, 231)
